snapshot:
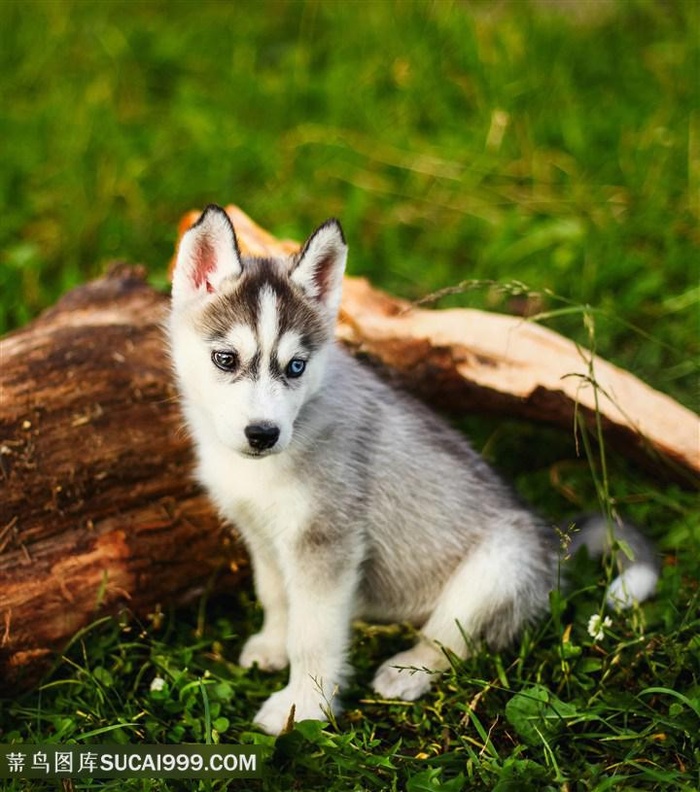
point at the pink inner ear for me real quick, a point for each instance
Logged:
(204, 263)
(322, 274)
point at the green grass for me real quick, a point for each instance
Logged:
(493, 142)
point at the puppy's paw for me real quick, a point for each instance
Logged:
(266, 651)
(276, 712)
(403, 677)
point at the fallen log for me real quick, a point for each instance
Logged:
(477, 361)
(98, 508)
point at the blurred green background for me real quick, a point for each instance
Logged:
(552, 143)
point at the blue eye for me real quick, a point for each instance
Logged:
(295, 368)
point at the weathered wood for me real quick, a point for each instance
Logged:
(471, 360)
(98, 510)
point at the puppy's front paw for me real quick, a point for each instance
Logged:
(266, 651)
(402, 677)
(274, 714)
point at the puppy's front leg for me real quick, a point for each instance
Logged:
(268, 648)
(320, 593)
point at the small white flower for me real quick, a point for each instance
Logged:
(597, 626)
(158, 684)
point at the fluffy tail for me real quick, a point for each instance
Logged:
(636, 558)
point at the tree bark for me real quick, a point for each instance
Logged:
(99, 510)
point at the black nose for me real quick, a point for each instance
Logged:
(262, 436)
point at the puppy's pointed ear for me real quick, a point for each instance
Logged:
(319, 268)
(208, 255)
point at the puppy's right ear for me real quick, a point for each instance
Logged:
(207, 256)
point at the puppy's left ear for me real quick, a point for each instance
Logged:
(319, 267)
(207, 256)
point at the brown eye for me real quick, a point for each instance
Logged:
(225, 360)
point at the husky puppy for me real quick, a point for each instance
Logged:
(353, 499)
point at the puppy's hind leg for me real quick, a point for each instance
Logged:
(495, 590)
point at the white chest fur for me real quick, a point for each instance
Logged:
(263, 498)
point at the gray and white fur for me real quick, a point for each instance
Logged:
(353, 499)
